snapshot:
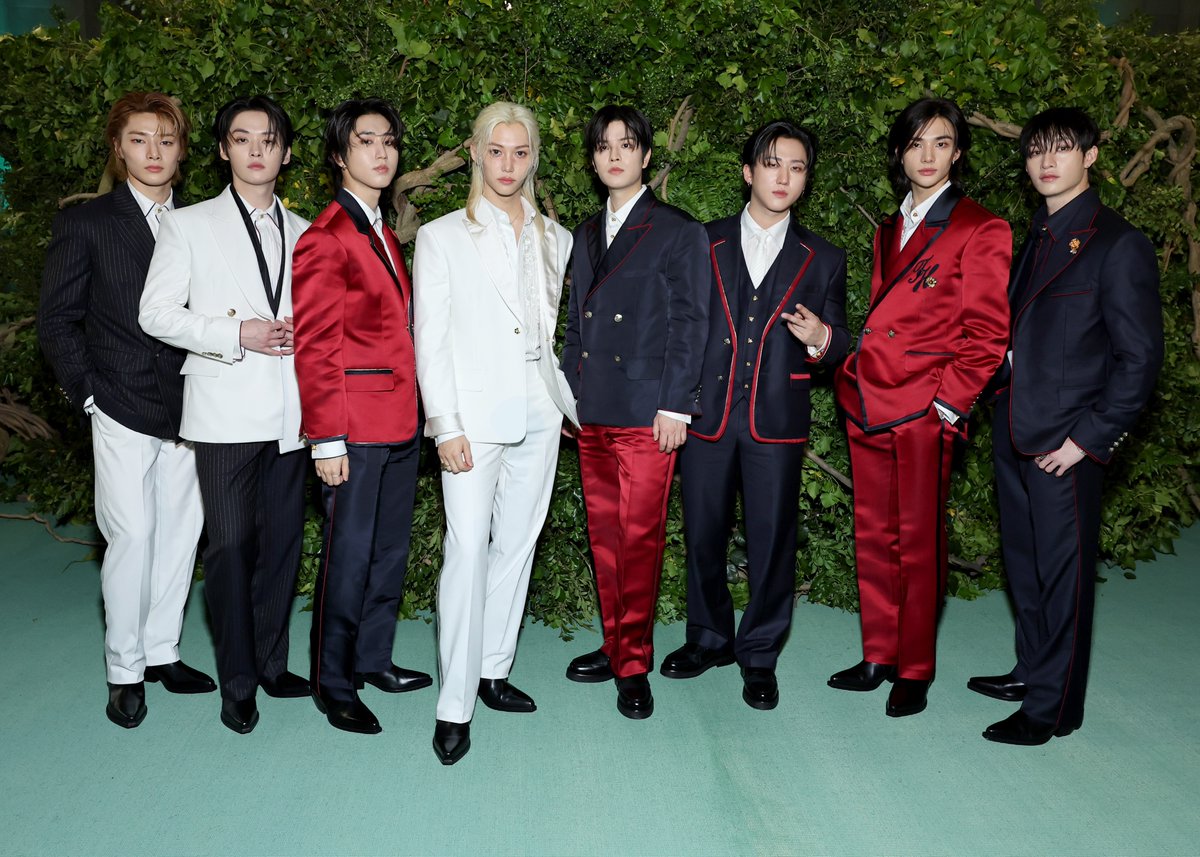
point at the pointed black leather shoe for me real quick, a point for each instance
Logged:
(1002, 687)
(126, 704)
(864, 675)
(634, 699)
(692, 659)
(451, 741)
(498, 695)
(349, 715)
(394, 679)
(759, 688)
(1017, 728)
(240, 715)
(592, 667)
(908, 696)
(286, 685)
(178, 677)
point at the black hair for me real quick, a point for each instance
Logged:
(277, 119)
(340, 127)
(635, 122)
(909, 124)
(1059, 123)
(761, 144)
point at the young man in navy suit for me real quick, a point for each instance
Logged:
(636, 327)
(1086, 348)
(147, 497)
(352, 304)
(776, 307)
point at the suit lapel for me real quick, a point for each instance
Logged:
(234, 245)
(359, 218)
(635, 228)
(485, 236)
(791, 263)
(595, 241)
(138, 237)
(1066, 247)
(927, 233)
(731, 276)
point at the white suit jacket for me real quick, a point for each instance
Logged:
(468, 327)
(202, 283)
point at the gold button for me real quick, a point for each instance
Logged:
(745, 386)
(749, 341)
(747, 362)
(752, 318)
(618, 318)
(754, 298)
(231, 313)
(587, 314)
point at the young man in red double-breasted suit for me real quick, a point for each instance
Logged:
(636, 326)
(776, 307)
(1087, 345)
(935, 332)
(358, 400)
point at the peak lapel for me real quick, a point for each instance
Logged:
(635, 228)
(138, 237)
(235, 246)
(927, 233)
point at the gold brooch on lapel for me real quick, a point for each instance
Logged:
(1073, 246)
(930, 282)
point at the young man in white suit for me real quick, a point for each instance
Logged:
(486, 283)
(219, 287)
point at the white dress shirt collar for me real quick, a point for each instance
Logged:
(912, 215)
(149, 208)
(614, 220)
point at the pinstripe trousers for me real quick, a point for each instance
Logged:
(254, 515)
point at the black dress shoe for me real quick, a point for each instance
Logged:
(349, 715)
(634, 699)
(126, 704)
(908, 696)
(180, 678)
(451, 741)
(394, 679)
(240, 715)
(286, 685)
(692, 659)
(1017, 728)
(592, 667)
(499, 695)
(1003, 687)
(863, 676)
(759, 688)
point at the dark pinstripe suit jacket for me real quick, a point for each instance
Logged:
(88, 317)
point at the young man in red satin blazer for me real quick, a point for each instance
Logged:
(636, 325)
(358, 397)
(935, 332)
(776, 309)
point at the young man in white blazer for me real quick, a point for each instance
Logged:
(219, 287)
(486, 283)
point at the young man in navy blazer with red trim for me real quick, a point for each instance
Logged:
(1086, 348)
(934, 335)
(356, 370)
(636, 325)
(776, 308)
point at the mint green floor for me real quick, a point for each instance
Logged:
(825, 773)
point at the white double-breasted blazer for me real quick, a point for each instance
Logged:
(469, 326)
(203, 281)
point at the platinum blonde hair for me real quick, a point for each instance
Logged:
(504, 113)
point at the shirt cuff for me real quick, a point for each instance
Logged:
(89, 406)
(815, 353)
(686, 419)
(946, 414)
(329, 449)
(450, 435)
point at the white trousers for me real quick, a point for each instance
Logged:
(148, 508)
(494, 514)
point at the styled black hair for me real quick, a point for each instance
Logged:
(909, 124)
(1071, 124)
(340, 126)
(761, 144)
(277, 119)
(635, 122)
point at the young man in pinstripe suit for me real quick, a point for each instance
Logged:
(147, 496)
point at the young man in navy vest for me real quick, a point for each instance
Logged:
(776, 308)
(636, 326)
(147, 497)
(1086, 347)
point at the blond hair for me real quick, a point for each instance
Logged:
(504, 113)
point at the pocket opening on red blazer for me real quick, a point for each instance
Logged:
(369, 380)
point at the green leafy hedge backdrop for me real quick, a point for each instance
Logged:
(707, 72)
